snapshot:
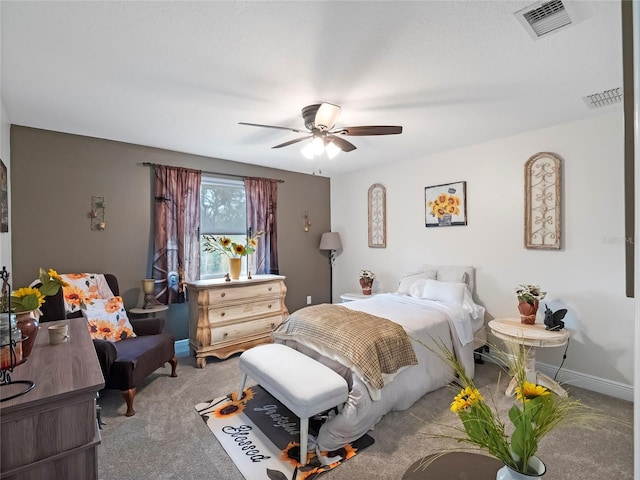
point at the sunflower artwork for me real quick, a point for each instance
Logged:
(262, 437)
(446, 205)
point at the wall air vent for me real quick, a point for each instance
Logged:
(543, 18)
(603, 99)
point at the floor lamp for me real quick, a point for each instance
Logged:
(331, 241)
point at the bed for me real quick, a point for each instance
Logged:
(432, 304)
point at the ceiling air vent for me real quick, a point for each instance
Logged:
(603, 99)
(543, 18)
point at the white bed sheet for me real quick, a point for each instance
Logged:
(424, 321)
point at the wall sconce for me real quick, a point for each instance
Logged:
(97, 213)
(307, 220)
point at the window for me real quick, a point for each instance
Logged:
(223, 213)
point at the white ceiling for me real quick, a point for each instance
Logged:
(180, 75)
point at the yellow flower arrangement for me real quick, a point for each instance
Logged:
(444, 204)
(535, 412)
(27, 299)
(226, 246)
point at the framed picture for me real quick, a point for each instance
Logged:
(542, 219)
(446, 205)
(377, 207)
(4, 199)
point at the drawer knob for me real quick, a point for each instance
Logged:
(270, 288)
(222, 294)
(224, 335)
(269, 306)
(222, 314)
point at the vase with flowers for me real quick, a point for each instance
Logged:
(528, 298)
(535, 412)
(26, 302)
(232, 251)
(366, 281)
(444, 207)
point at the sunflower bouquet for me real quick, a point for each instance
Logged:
(535, 412)
(27, 299)
(226, 246)
(444, 204)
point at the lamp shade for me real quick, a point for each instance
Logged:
(330, 241)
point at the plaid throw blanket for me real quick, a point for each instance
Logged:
(373, 344)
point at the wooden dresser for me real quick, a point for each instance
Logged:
(51, 432)
(230, 317)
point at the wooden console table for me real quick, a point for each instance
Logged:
(51, 431)
(230, 317)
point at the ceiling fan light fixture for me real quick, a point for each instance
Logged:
(307, 151)
(317, 146)
(332, 149)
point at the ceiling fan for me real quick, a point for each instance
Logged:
(320, 119)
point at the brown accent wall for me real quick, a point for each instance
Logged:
(54, 175)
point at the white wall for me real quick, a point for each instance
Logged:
(586, 276)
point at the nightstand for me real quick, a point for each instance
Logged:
(536, 335)
(350, 297)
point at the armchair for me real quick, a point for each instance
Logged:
(127, 362)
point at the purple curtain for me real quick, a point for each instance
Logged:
(262, 204)
(176, 250)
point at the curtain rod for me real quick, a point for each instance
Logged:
(149, 164)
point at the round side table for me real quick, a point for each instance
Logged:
(513, 330)
(350, 297)
(154, 309)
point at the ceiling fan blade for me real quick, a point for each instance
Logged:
(291, 142)
(272, 126)
(341, 143)
(326, 116)
(370, 130)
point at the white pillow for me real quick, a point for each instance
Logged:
(408, 280)
(454, 273)
(451, 293)
(418, 287)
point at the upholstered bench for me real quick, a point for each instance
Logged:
(303, 385)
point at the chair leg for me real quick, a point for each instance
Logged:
(128, 396)
(174, 365)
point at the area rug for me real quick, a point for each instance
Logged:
(261, 436)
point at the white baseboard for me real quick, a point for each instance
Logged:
(182, 348)
(588, 382)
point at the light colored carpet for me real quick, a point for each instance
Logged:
(166, 439)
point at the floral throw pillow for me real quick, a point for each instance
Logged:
(83, 287)
(107, 319)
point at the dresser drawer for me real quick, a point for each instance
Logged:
(244, 292)
(244, 330)
(239, 311)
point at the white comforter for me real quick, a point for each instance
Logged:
(425, 321)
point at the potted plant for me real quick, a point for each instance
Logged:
(366, 281)
(528, 298)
